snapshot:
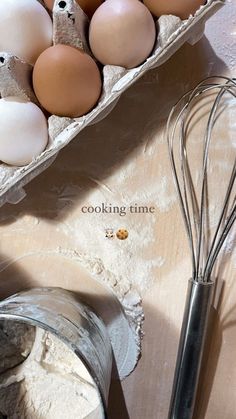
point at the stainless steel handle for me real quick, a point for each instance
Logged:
(191, 346)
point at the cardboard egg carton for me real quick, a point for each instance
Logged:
(71, 27)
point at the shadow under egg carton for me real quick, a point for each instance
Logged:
(70, 26)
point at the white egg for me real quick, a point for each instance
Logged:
(23, 131)
(25, 28)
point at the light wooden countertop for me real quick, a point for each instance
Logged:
(123, 157)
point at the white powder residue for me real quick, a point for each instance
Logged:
(132, 262)
(128, 260)
(230, 245)
(51, 383)
(224, 45)
(161, 193)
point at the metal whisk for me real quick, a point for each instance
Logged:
(205, 246)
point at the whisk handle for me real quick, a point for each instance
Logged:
(191, 346)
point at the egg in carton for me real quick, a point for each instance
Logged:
(70, 27)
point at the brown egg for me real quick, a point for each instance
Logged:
(66, 81)
(49, 4)
(88, 6)
(181, 8)
(122, 33)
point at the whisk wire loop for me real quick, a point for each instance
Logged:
(194, 210)
(205, 245)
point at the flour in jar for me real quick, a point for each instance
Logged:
(51, 382)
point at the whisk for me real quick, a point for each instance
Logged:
(204, 244)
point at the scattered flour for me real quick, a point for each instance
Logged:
(133, 261)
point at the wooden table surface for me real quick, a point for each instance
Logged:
(50, 218)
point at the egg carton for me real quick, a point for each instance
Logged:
(70, 26)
